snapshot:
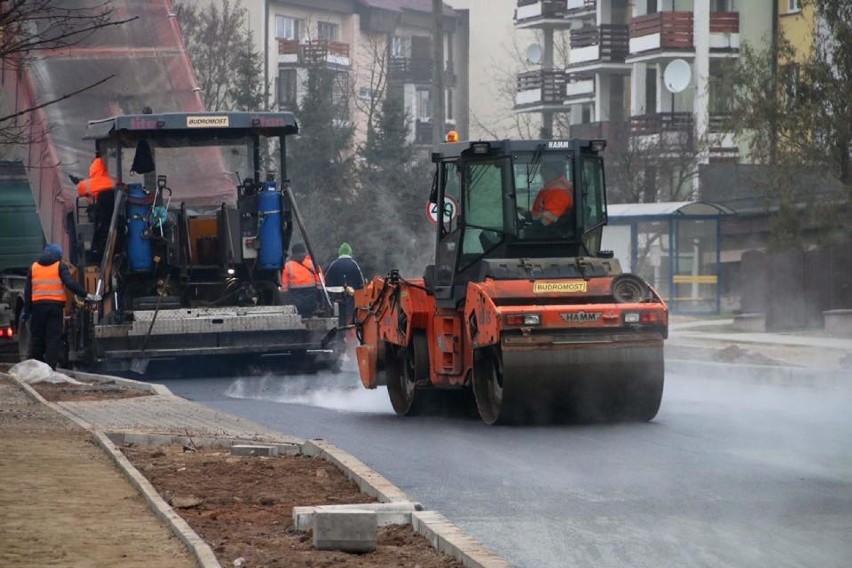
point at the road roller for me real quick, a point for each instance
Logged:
(522, 316)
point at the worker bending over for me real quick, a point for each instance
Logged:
(300, 281)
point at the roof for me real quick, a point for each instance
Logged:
(194, 125)
(670, 209)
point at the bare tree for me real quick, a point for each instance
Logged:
(220, 45)
(29, 27)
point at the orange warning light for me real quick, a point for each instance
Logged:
(452, 136)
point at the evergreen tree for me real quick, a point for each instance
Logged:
(395, 180)
(320, 161)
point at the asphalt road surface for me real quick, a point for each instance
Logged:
(728, 474)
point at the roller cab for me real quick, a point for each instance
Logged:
(521, 311)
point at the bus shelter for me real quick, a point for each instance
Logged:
(674, 246)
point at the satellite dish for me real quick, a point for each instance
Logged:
(534, 54)
(677, 75)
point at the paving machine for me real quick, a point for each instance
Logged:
(534, 319)
(191, 279)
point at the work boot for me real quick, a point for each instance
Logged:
(74, 179)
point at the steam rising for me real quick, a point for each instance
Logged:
(336, 391)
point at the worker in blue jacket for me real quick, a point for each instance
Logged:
(344, 272)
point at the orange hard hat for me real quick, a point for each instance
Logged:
(452, 136)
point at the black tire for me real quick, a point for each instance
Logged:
(407, 369)
(644, 393)
(23, 339)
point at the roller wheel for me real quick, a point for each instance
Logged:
(406, 368)
(488, 387)
(644, 395)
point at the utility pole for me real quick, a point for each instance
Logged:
(437, 72)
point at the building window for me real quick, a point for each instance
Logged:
(793, 6)
(287, 86)
(286, 28)
(652, 7)
(366, 93)
(401, 47)
(450, 110)
(424, 105)
(328, 31)
(723, 6)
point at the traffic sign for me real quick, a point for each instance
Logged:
(451, 210)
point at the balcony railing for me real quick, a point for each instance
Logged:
(410, 69)
(662, 30)
(658, 123)
(582, 5)
(579, 87)
(605, 43)
(545, 86)
(533, 10)
(314, 52)
(594, 130)
(724, 22)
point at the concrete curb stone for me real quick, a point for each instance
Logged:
(780, 375)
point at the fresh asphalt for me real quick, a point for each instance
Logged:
(729, 473)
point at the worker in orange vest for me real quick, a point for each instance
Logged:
(44, 297)
(556, 198)
(99, 188)
(300, 281)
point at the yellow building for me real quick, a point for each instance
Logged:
(798, 24)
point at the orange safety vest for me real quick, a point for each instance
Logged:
(553, 201)
(97, 181)
(299, 275)
(46, 283)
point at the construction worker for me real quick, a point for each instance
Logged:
(99, 188)
(44, 297)
(556, 198)
(345, 273)
(300, 281)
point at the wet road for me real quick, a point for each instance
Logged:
(729, 474)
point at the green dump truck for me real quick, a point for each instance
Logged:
(21, 242)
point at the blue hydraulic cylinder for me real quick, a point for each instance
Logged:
(140, 257)
(271, 253)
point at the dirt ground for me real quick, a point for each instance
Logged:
(241, 506)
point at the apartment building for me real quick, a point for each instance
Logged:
(619, 51)
(365, 43)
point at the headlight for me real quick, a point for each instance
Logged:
(629, 289)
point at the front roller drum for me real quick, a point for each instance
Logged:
(568, 383)
(406, 369)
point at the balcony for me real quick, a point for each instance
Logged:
(594, 130)
(540, 13)
(540, 90)
(579, 88)
(313, 52)
(667, 130)
(410, 69)
(663, 31)
(581, 7)
(607, 43)
(724, 31)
